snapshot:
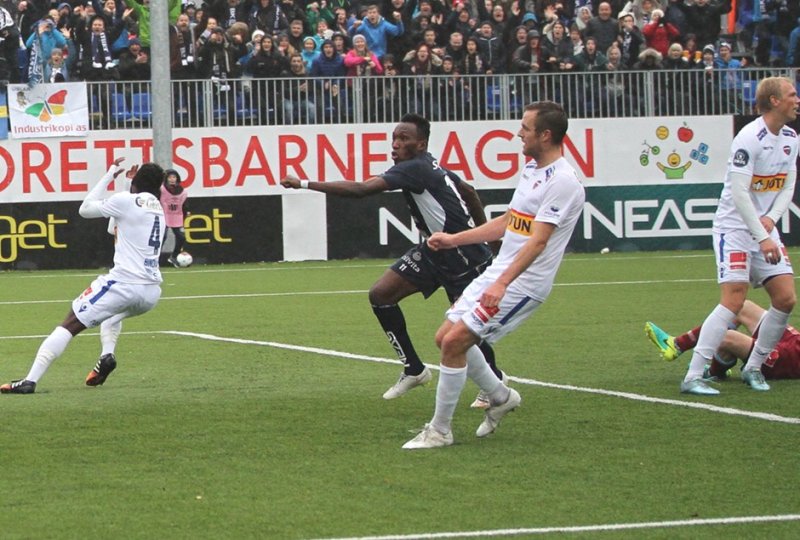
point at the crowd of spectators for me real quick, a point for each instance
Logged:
(109, 40)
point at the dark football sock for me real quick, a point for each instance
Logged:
(688, 340)
(394, 324)
(488, 353)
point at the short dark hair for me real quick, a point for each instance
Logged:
(550, 115)
(422, 123)
(148, 179)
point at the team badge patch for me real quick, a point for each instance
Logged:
(741, 158)
(738, 260)
(787, 150)
(484, 314)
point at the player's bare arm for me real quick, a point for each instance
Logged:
(473, 202)
(373, 185)
(525, 257)
(488, 232)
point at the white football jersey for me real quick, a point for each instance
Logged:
(767, 158)
(140, 232)
(554, 195)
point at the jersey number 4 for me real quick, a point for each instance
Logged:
(155, 236)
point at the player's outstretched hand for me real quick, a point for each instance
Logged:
(291, 182)
(132, 172)
(116, 164)
(440, 240)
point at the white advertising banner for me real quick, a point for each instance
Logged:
(250, 161)
(48, 110)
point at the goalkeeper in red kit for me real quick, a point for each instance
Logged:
(783, 362)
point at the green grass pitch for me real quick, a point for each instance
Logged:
(248, 405)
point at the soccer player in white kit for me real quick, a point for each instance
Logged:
(758, 188)
(131, 287)
(535, 231)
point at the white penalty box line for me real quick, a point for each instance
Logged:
(584, 528)
(532, 382)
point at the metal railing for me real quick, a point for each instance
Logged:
(288, 101)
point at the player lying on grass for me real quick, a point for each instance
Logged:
(782, 363)
(131, 287)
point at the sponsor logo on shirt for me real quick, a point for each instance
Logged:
(148, 202)
(741, 158)
(761, 134)
(761, 184)
(738, 260)
(520, 223)
(552, 211)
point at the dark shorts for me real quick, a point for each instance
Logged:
(417, 267)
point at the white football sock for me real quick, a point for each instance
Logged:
(50, 349)
(772, 326)
(711, 335)
(110, 330)
(448, 390)
(479, 371)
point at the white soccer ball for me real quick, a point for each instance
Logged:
(184, 259)
(605, 251)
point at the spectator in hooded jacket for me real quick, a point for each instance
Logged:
(378, 30)
(329, 69)
(658, 34)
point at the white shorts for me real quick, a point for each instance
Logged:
(513, 309)
(739, 259)
(105, 298)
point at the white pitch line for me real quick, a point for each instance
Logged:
(521, 380)
(308, 293)
(532, 382)
(205, 296)
(585, 528)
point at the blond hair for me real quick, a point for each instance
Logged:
(767, 89)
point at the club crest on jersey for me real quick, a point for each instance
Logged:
(787, 150)
(741, 158)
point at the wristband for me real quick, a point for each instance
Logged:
(303, 184)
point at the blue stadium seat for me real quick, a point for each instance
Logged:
(140, 106)
(119, 109)
(749, 92)
(244, 107)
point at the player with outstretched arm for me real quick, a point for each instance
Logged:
(439, 201)
(131, 287)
